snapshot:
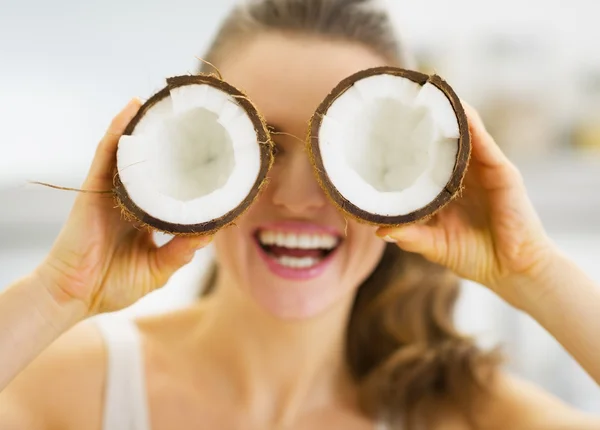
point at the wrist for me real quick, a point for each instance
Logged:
(60, 310)
(528, 289)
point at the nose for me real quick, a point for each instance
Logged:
(294, 186)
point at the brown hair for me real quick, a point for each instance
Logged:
(402, 347)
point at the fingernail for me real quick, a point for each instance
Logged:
(190, 255)
(206, 240)
(201, 243)
(400, 234)
(134, 101)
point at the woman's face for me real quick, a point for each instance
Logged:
(293, 252)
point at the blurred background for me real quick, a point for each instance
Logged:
(531, 68)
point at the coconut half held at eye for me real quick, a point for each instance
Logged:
(193, 158)
(390, 146)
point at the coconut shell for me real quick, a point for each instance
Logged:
(138, 216)
(452, 188)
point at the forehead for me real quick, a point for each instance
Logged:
(288, 76)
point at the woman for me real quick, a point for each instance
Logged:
(366, 343)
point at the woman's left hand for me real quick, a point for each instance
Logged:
(490, 234)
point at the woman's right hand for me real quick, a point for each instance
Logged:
(99, 258)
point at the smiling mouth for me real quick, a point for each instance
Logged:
(297, 251)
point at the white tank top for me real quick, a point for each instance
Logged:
(125, 396)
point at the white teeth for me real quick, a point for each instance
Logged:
(302, 241)
(268, 237)
(317, 242)
(329, 242)
(280, 239)
(297, 263)
(291, 241)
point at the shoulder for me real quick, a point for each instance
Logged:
(526, 406)
(515, 404)
(63, 386)
(518, 404)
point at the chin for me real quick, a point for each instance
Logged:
(299, 300)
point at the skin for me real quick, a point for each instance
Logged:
(220, 363)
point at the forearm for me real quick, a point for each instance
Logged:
(30, 320)
(569, 309)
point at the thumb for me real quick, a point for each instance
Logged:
(173, 255)
(427, 240)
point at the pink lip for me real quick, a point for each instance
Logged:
(299, 227)
(296, 227)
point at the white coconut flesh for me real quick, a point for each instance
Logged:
(389, 145)
(192, 158)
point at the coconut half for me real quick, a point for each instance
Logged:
(194, 157)
(390, 146)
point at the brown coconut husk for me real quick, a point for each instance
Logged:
(138, 216)
(453, 187)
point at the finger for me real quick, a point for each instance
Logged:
(485, 149)
(100, 173)
(424, 239)
(167, 259)
(498, 171)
